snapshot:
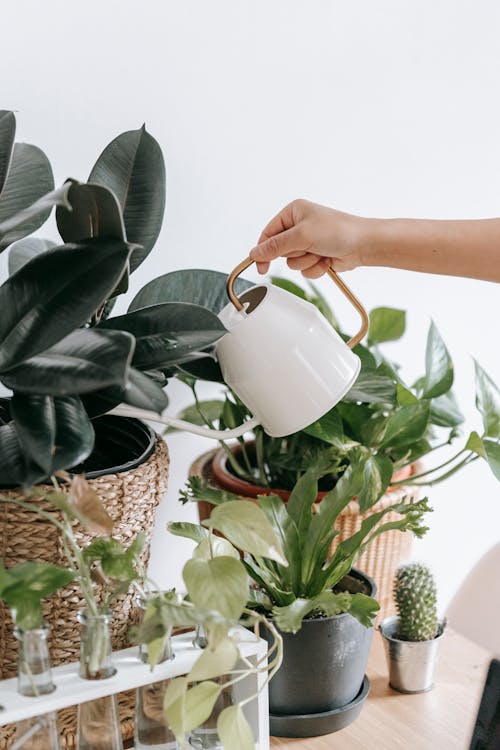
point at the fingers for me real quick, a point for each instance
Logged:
(319, 268)
(302, 262)
(285, 242)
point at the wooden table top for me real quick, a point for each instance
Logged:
(441, 719)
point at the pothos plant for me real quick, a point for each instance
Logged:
(382, 425)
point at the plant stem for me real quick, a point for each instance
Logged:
(431, 482)
(409, 480)
(259, 454)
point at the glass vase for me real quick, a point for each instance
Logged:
(34, 677)
(98, 719)
(206, 737)
(151, 726)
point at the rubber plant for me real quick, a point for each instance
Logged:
(382, 425)
(62, 356)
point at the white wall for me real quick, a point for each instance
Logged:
(383, 108)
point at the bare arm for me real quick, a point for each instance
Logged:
(313, 237)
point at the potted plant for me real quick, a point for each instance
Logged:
(383, 424)
(322, 606)
(412, 638)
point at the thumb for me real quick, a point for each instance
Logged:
(279, 244)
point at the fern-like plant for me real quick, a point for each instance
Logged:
(416, 601)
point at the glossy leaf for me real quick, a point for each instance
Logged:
(406, 424)
(221, 582)
(206, 368)
(26, 584)
(492, 450)
(35, 421)
(7, 135)
(54, 294)
(211, 411)
(22, 251)
(386, 324)
(12, 463)
(234, 730)
(438, 365)
(74, 434)
(28, 179)
(215, 661)
(487, 401)
(140, 391)
(377, 472)
(188, 530)
(168, 333)
(404, 396)
(132, 167)
(328, 428)
(289, 618)
(246, 526)
(371, 387)
(195, 286)
(94, 212)
(445, 411)
(85, 360)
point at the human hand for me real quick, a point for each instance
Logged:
(312, 238)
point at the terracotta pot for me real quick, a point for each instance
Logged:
(379, 561)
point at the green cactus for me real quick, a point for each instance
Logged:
(416, 602)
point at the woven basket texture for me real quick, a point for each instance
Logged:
(382, 557)
(131, 499)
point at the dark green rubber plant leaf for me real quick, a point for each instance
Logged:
(86, 360)
(140, 391)
(54, 294)
(196, 286)
(28, 179)
(132, 167)
(35, 421)
(206, 368)
(168, 333)
(12, 463)
(5, 415)
(22, 251)
(74, 433)
(95, 212)
(7, 135)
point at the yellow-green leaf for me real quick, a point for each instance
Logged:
(174, 705)
(215, 547)
(200, 701)
(214, 662)
(247, 527)
(219, 584)
(234, 730)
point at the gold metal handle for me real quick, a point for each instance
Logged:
(334, 277)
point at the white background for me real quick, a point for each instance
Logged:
(386, 108)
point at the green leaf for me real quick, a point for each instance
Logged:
(445, 411)
(27, 220)
(487, 401)
(370, 387)
(219, 584)
(234, 730)
(117, 561)
(85, 360)
(329, 428)
(287, 533)
(188, 530)
(74, 434)
(301, 499)
(174, 705)
(54, 294)
(194, 286)
(215, 547)
(386, 324)
(289, 618)
(26, 584)
(24, 250)
(214, 662)
(377, 472)
(132, 167)
(364, 608)
(404, 396)
(206, 368)
(13, 470)
(406, 424)
(211, 411)
(438, 365)
(246, 526)
(28, 179)
(140, 390)
(169, 333)
(475, 444)
(492, 450)
(35, 421)
(200, 701)
(7, 135)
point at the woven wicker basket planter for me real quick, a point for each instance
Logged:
(131, 495)
(381, 559)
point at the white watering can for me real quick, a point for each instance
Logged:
(281, 357)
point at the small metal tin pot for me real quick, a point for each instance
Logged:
(411, 663)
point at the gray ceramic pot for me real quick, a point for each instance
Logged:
(411, 663)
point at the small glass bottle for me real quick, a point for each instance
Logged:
(151, 726)
(98, 720)
(34, 677)
(206, 737)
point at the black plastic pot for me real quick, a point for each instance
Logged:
(323, 666)
(121, 444)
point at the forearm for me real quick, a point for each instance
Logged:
(458, 248)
